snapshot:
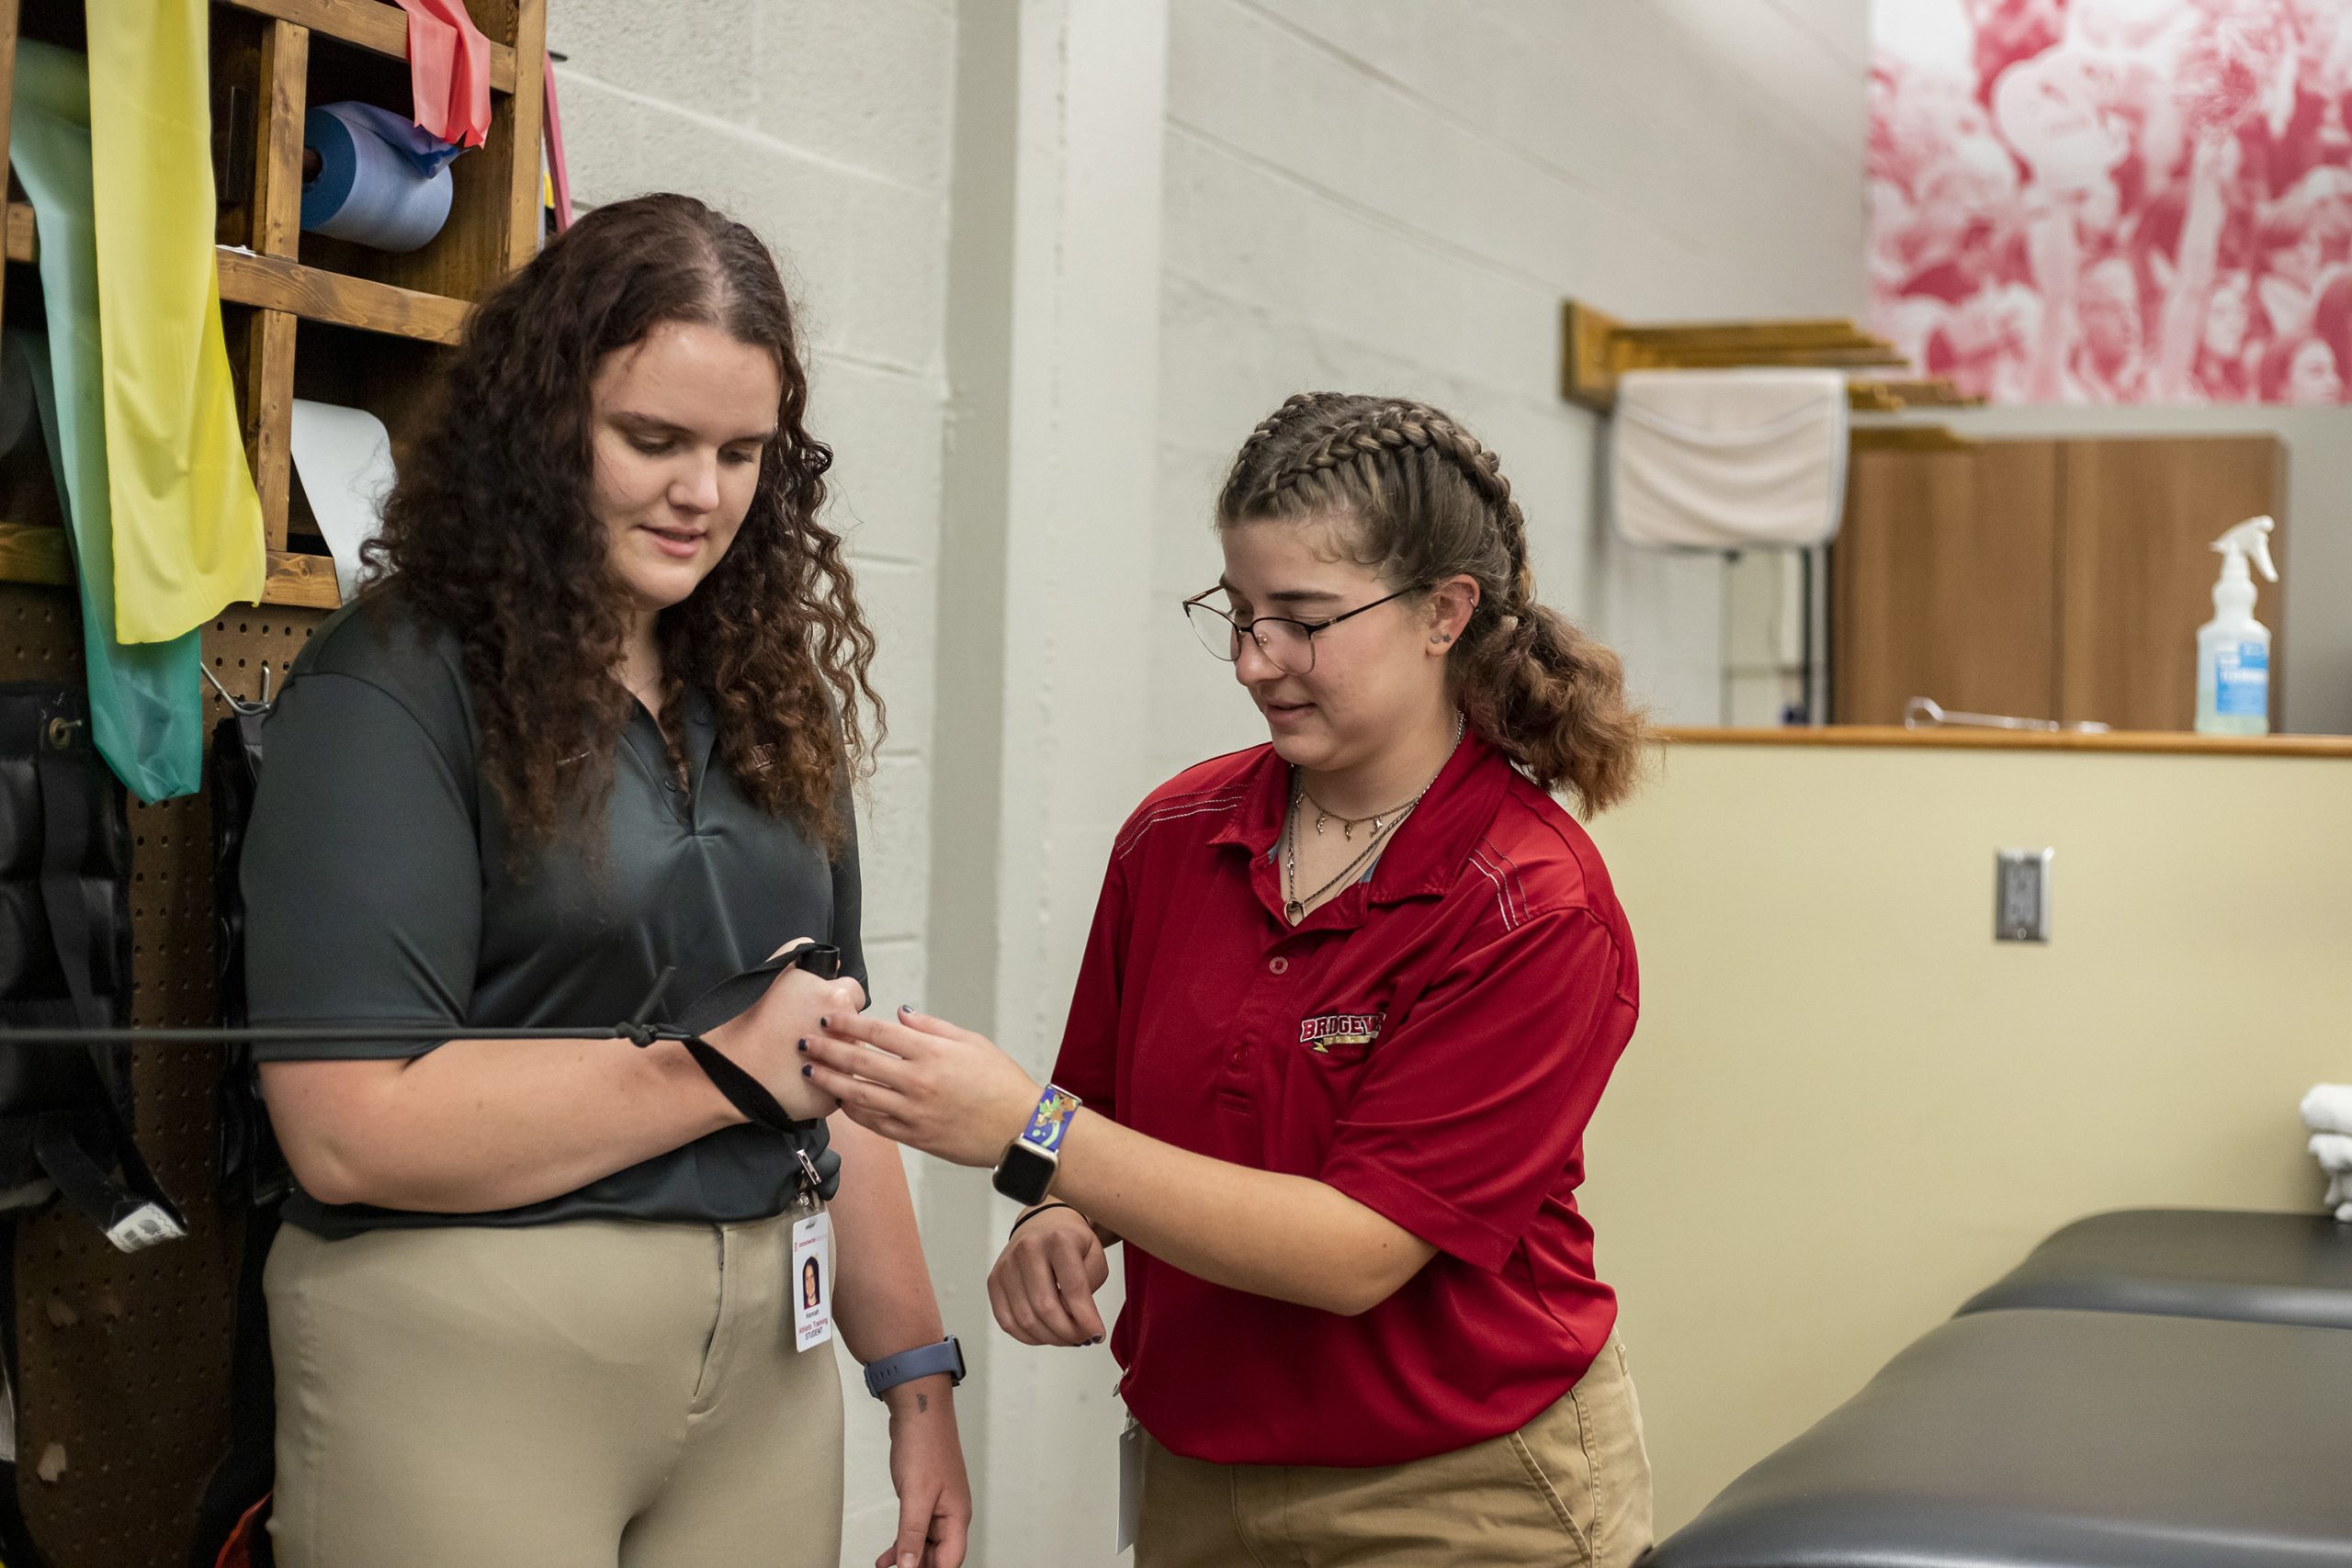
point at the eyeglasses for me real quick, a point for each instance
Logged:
(1289, 644)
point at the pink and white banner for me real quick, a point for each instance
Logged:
(2115, 201)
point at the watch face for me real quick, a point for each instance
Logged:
(1024, 1174)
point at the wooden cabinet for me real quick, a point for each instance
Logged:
(2046, 578)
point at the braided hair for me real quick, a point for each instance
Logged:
(1428, 503)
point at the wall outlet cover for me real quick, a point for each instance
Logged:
(2021, 896)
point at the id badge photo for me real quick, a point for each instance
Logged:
(812, 1280)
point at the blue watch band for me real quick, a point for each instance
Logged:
(920, 1362)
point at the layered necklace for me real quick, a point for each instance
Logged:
(1383, 827)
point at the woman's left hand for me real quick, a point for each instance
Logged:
(927, 1471)
(924, 1082)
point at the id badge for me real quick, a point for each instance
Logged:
(1130, 1484)
(812, 1280)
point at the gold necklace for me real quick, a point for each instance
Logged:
(1324, 814)
(1295, 907)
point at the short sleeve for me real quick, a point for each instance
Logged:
(1472, 1107)
(361, 872)
(849, 897)
(1088, 1063)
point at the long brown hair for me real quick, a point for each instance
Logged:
(491, 534)
(1425, 502)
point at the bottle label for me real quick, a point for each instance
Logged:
(2242, 678)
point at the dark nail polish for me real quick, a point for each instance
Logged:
(824, 1023)
(801, 1045)
(904, 1009)
(807, 1072)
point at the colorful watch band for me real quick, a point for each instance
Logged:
(1050, 1121)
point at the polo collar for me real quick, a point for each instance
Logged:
(1423, 858)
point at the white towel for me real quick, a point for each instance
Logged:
(2334, 1152)
(2328, 1108)
(1728, 459)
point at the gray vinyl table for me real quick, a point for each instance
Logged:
(2035, 1438)
(2258, 1267)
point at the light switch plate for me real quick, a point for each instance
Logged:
(2021, 896)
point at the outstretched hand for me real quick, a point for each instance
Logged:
(924, 1082)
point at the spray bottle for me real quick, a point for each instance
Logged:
(2234, 648)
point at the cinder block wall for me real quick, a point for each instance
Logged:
(824, 125)
(1394, 196)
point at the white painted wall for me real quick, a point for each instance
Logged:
(1395, 195)
(825, 125)
(1054, 275)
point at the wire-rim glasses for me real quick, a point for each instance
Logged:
(1288, 644)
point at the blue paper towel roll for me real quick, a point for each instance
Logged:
(367, 191)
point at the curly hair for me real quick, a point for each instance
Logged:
(1428, 503)
(490, 533)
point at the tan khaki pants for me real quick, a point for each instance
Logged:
(587, 1394)
(1571, 1486)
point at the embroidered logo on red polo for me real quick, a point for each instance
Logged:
(1318, 1035)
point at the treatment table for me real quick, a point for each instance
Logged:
(2258, 1268)
(2029, 1438)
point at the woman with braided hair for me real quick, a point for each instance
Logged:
(1349, 1002)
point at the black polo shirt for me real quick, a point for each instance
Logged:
(378, 889)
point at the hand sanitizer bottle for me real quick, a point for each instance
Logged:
(2234, 648)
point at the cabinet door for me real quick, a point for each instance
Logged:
(2137, 570)
(1943, 582)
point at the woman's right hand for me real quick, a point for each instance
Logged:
(1044, 1283)
(765, 1038)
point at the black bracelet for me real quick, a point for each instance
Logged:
(1035, 1212)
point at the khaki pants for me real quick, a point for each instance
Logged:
(586, 1394)
(1571, 1486)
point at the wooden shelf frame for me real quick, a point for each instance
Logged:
(269, 291)
(279, 284)
(41, 555)
(1596, 348)
(372, 25)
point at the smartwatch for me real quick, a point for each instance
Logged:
(920, 1362)
(1026, 1171)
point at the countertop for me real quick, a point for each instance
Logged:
(1958, 738)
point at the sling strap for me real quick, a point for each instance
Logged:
(134, 1212)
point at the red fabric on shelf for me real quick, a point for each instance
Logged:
(448, 63)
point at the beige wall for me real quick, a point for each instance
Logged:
(1847, 1107)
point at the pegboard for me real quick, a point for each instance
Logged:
(122, 1405)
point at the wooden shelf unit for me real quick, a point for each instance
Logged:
(127, 1390)
(269, 59)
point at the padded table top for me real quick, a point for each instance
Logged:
(2061, 1439)
(2260, 1267)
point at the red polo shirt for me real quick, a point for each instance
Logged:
(1432, 1042)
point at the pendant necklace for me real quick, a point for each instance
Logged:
(1384, 824)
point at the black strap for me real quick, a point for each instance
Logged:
(743, 1092)
(63, 1145)
(731, 999)
(63, 777)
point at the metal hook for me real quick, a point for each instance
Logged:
(237, 703)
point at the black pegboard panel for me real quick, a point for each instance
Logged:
(121, 1411)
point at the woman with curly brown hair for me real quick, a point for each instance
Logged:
(590, 740)
(1349, 999)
